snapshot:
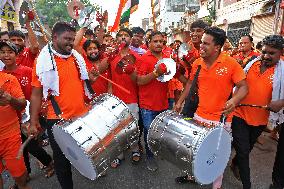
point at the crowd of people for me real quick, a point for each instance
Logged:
(61, 79)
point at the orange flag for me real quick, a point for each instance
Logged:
(118, 15)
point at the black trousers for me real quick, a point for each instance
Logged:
(37, 151)
(62, 165)
(244, 138)
(278, 168)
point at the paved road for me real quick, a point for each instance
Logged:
(129, 176)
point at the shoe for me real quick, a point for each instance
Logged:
(273, 186)
(185, 179)
(235, 170)
(152, 164)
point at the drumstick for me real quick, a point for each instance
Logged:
(254, 106)
(21, 150)
(119, 86)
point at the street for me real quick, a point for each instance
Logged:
(129, 176)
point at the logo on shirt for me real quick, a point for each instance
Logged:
(24, 81)
(270, 78)
(221, 71)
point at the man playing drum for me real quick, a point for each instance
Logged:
(249, 122)
(153, 97)
(58, 74)
(218, 74)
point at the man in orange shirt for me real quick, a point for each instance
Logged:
(153, 97)
(249, 122)
(218, 74)
(11, 101)
(59, 72)
(246, 51)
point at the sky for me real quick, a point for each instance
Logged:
(111, 6)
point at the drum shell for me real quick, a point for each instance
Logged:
(174, 139)
(100, 136)
(178, 140)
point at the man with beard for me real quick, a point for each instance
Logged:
(27, 55)
(246, 51)
(136, 40)
(218, 75)
(92, 54)
(153, 97)
(249, 122)
(58, 76)
(126, 78)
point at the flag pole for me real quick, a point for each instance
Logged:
(153, 14)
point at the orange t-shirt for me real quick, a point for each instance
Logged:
(174, 84)
(260, 93)
(9, 123)
(71, 90)
(152, 96)
(248, 58)
(215, 85)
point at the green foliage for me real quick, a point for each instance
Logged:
(52, 11)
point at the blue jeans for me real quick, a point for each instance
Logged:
(148, 116)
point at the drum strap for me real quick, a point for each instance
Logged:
(191, 101)
(193, 87)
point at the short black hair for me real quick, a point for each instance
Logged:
(107, 35)
(89, 32)
(259, 45)
(154, 33)
(137, 30)
(16, 33)
(219, 35)
(4, 33)
(199, 24)
(61, 27)
(124, 30)
(177, 41)
(148, 30)
(88, 43)
(274, 41)
(249, 36)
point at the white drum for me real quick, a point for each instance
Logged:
(92, 141)
(197, 150)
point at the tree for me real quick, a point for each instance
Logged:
(51, 11)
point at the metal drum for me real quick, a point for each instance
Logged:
(92, 141)
(197, 150)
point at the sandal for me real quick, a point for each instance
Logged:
(49, 170)
(135, 157)
(15, 186)
(185, 179)
(115, 163)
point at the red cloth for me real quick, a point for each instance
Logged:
(125, 81)
(100, 86)
(152, 96)
(24, 76)
(26, 58)
(167, 51)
